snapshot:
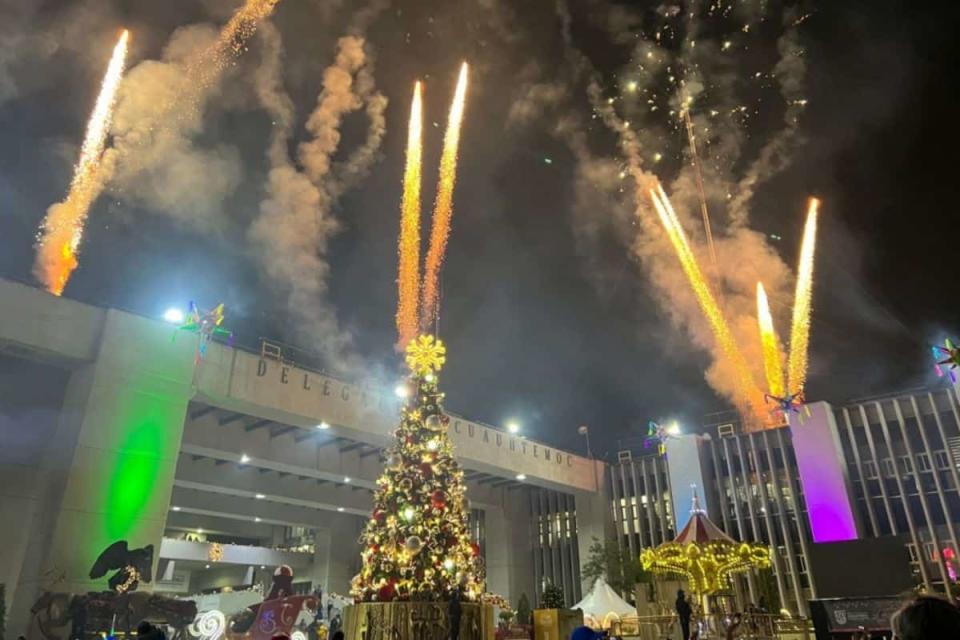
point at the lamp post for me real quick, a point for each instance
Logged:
(584, 430)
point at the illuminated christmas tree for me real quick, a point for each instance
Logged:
(416, 545)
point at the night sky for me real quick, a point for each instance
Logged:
(548, 320)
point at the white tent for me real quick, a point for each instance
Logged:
(603, 606)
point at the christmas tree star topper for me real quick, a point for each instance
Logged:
(425, 355)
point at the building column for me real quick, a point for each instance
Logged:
(823, 473)
(499, 551)
(594, 520)
(108, 473)
(332, 567)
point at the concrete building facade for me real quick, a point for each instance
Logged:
(234, 465)
(246, 460)
(884, 466)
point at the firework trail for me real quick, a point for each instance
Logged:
(443, 209)
(770, 344)
(231, 43)
(408, 278)
(695, 160)
(800, 329)
(748, 395)
(62, 228)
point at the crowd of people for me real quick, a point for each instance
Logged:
(922, 618)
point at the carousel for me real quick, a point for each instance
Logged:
(706, 558)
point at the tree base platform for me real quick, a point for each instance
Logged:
(415, 621)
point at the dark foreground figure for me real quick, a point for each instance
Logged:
(926, 618)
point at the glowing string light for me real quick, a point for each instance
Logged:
(802, 307)
(62, 228)
(408, 278)
(770, 344)
(209, 625)
(443, 208)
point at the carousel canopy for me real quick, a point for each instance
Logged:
(701, 530)
(704, 554)
(603, 601)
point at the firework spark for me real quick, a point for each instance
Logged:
(748, 395)
(443, 209)
(771, 346)
(205, 70)
(62, 228)
(408, 279)
(695, 160)
(800, 329)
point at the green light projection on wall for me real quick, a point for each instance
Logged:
(133, 480)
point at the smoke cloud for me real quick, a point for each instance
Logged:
(645, 114)
(775, 155)
(296, 218)
(159, 163)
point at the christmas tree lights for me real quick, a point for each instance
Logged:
(415, 546)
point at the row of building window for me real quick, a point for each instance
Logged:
(890, 469)
(556, 526)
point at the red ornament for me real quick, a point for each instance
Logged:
(475, 548)
(387, 592)
(375, 548)
(379, 515)
(439, 499)
(426, 469)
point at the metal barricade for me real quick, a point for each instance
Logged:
(753, 626)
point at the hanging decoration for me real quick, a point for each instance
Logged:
(947, 356)
(215, 552)
(206, 325)
(657, 435)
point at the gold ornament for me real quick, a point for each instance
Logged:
(426, 355)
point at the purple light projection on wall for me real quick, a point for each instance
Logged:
(822, 474)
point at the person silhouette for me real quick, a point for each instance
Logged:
(684, 612)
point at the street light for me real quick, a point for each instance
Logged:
(584, 430)
(513, 427)
(173, 315)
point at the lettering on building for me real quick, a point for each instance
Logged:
(341, 392)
